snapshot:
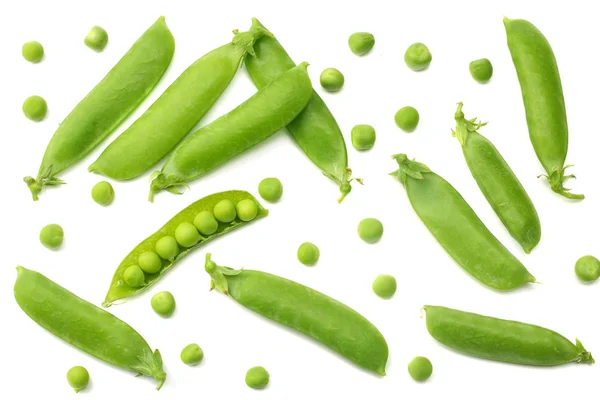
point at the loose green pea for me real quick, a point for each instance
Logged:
(407, 118)
(246, 210)
(257, 377)
(206, 223)
(225, 211)
(308, 253)
(370, 230)
(384, 286)
(134, 276)
(420, 369)
(52, 236)
(167, 247)
(163, 303)
(332, 79)
(78, 377)
(270, 189)
(587, 268)
(363, 137)
(481, 70)
(192, 354)
(96, 39)
(361, 43)
(35, 108)
(103, 193)
(149, 262)
(417, 57)
(33, 51)
(186, 234)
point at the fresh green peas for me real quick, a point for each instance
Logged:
(225, 211)
(587, 268)
(420, 369)
(192, 354)
(270, 189)
(103, 193)
(134, 276)
(149, 262)
(308, 253)
(407, 118)
(417, 57)
(361, 43)
(370, 230)
(35, 108)
(257, 378)
(52, 236)
(96, 39)
(363, 137)
(167, 247)
(246, 210)
(332, 79)
(78, 377)
(163, 303)
(186, 234)
(33, 51)
(481, 70)
(206, 223)
(384, 286)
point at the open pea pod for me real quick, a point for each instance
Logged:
(119, 290)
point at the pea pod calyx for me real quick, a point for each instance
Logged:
(465, 126)
(408, 168)
(46, 179)
(344, 183)
(218, 273)
(557, 178)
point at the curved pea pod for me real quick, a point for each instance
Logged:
(119, 290)
(502, 340)
(543, 98)
(315, 129)
(498, 183)
(176, 111)
(305, 310)
(85, 326)
(107, 105)
(458, 229)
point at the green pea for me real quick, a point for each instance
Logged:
(420, 369)
(257, 377)
(206, 223)
(167, 247)
(35, 108)
(417, 57)
(332, 79)
(78, 377)
(270, 189)
(163, 303)
(103, 193)
(52, 236)
(246, 210)
(308, 253)
(361, 43)
(363, 137)
(587, 268)
(192, 354)
(33, 51)
(149, 262)
(370, 230)
(407, 118)
(186, 234)
(96, 39)
(134, 276)
(384, 286)
(481, 70)
(225, 211)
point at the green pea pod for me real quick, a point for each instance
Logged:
(315, 130)
(498, 183)
(305, 310)
(119, 290)
(458, 229)
(253, 121)
(502, 340)
(543, 99)
(85, 326)
(107, 105)
(176, 111)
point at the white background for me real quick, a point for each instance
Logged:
(34, 363)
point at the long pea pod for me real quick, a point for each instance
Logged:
(305, 310)
(498, 183)
(315, 130)
(458, 229)
(104, 108)
(85, 326)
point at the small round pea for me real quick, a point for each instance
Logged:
(206, 223)
(384, 286)
(363, 137)
(225, 211)
(370, 230)
(270, 189)
(149, 262)
(420, 369)
(96, 39)
(308, 253)
(407, 118)
(246, 209)
(587, 268)
(332, 79)
(35, 108)
(192, 354)
(134, 276)
(257, 377)
(163, 303)
(78, 377)
(103, 193)
(167, 247)
(33, 51)
(52, 236)
(417, 56)
(481, 70)
(361, 43)
(186, 234)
